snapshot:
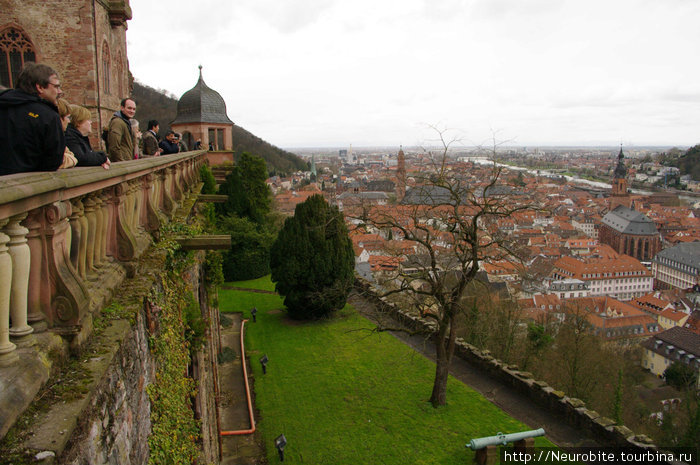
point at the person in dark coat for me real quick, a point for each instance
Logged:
(150, 140)
(31, 136)
(169, 144)
(77, 139)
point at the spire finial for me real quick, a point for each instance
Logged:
(200, 72)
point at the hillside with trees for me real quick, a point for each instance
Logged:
(160, 105)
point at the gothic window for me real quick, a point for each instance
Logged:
(15, 50)
(106, 68)
(120, 75)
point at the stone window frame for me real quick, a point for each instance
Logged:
(106, 68)
(14, 39)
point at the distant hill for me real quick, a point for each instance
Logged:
(689, 163)
(157, 104)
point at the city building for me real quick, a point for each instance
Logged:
(630, 232)
(622, 277)
(677, 266)
(673, 345)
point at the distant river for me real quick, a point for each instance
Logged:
(602, 185)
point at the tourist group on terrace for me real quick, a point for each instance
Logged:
(41, 131)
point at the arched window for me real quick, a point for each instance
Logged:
(120, 75)
(106, 68)
(15, 50)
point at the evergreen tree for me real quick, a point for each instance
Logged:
(248, 194)
(249, 256)
(312, 260)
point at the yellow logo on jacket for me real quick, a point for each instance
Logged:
(33, 115)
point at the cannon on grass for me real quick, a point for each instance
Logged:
(487, 452)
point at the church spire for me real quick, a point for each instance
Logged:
(619, 194)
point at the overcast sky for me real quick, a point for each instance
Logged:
(310, 73)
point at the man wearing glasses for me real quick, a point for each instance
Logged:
(31, 135)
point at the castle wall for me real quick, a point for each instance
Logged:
(71, 39)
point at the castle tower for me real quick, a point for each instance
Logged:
(401, 176)
(83, 40)
(618, 194)
(201, 115)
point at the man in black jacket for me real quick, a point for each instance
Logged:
(31, 135)
(169, 144)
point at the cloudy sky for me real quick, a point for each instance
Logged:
(313, 73)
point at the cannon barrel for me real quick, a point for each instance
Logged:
(500, 438)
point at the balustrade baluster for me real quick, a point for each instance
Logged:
(90, 206)
(104, 196)
(77, 235)
(21, 259)
(7, 348)
(35, 311)
(99, 231)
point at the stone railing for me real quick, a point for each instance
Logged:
(68, 238)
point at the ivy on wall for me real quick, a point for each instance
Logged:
(175, 432)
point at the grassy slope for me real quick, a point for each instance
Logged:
(343, 395)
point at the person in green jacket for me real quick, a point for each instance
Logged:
(120, 140)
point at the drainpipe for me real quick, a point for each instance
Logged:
(247, 393)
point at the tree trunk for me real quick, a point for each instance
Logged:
(442, 370)
(444, 349)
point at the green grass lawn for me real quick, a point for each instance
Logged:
(263, 283)
(343, 395)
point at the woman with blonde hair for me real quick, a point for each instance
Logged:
(69, 159)
(77, 139)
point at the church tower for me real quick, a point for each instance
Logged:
(401, 176)
(619, 195)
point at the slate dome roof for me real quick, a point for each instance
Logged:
(201, 104)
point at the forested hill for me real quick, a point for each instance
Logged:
(157, 104)
(689, 163)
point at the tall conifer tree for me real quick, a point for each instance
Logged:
(312, 260)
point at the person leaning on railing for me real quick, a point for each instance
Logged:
(77, 139)
(31, 137)
(69, 160)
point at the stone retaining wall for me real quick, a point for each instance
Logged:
(573, 410)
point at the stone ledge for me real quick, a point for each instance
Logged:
(52, 431)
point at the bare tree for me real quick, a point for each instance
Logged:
(450, 216)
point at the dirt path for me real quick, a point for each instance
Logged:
(247, 289)
(237, 450)
(504, 397)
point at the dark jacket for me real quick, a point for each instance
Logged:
(120, 140)
(168, 147)
(150, 143)
(31, 136)
(80, 146)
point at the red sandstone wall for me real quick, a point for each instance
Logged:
(65, 36)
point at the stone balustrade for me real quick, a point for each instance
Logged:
(68, 238)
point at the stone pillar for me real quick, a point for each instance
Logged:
(21, 259)
(149, 213)
(68, 297)
(104, 196)
(176, 180)
(35, 241)
(90, 207)
(99, 232)
(78, 246)
(7, 349)
(167, 202)
(125, 242)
